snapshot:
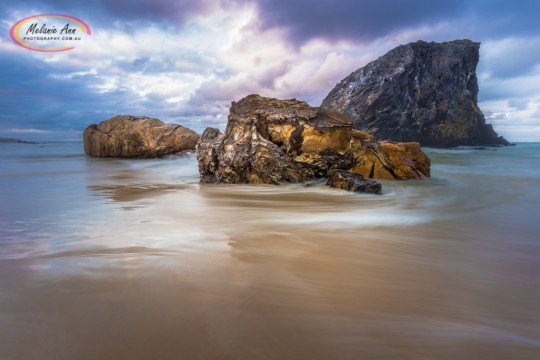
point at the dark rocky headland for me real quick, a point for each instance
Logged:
(125, 136)
(425, 92)
(273, 141)
(16, 141)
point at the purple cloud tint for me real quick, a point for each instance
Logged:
(366, 20)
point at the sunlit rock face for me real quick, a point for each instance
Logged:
(273, 141)
(125, 136)
(423, 92)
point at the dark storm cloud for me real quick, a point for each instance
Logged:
(366, 20)
(302, 20)
(107, 11)
(350, 19)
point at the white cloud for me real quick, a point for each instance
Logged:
(220, 57)
(27, 131)
(515, 124)
(509, 57)
(509, 84)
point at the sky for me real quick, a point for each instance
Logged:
(184, 61)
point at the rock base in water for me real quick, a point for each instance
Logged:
(352, 182)
(137, 137)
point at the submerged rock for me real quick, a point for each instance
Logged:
(273, 141)
(425, 92)
(345, 180)
(126, 136)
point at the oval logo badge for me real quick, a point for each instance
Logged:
(49, 32)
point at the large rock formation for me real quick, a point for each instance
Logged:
(273, 141)
(126, 136)
(425, 92)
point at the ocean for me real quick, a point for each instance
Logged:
(135, 259)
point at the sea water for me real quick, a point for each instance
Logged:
(135, 259)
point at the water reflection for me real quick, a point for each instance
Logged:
(127, 193)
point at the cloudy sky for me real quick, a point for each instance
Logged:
(184, 61)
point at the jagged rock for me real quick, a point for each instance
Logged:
(126, 136)
(243, 156)
(352, 182)
(425, 92)
(273, 141)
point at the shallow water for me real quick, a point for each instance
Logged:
(127, 259)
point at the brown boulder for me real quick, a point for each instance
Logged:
(272, 141)
(126, 136)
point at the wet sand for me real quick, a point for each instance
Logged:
(144, 262)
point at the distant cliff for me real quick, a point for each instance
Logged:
(16, 141)
(425, 92)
